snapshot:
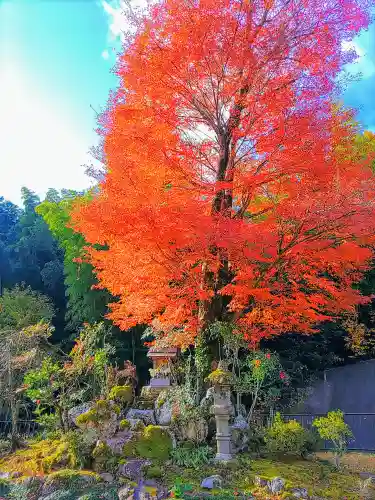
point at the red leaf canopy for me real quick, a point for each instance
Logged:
(232, 191)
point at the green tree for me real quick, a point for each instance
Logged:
(36, 258)
(9, 217)
(333, 428)
(85, 304)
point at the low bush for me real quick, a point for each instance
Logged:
(289, 437)
(256, 435)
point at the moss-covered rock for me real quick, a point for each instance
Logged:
(104, 458)
(67, 479)
(102, 417)
(122, 394)
(152, 443)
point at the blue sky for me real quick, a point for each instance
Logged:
(55, 62)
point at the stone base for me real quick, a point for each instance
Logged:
(223, 457)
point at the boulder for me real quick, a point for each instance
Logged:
(136, 424)
(212, 482)
(117, 442)
(107, 477)
(76, 411)
(163, 413)
(299, 492)
(260, 482)
(132, 469)
(147, 416)
(276, 485)
(60, 480)
(193, 430)
(239, 434)
(126, 493)
(240, 423)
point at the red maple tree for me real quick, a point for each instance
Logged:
(227, 194)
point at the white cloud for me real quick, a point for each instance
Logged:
(121, 14)
(40, 148)
(117, 20)
(105, 54)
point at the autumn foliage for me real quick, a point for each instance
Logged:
(230, 193)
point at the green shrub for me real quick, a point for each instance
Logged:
(191, 457)
(256, 435)
(333, 428)
(289, 437)
(121, 393)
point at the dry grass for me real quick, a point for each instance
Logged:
(355, 462)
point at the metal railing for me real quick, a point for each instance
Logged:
(25, 428)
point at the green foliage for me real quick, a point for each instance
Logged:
(18, 492)
(21, 307)
(154, 472)
(256, 435)
(79, 448)
(124, 424)
(333, 428)
(153, 443)
(89, 363)
(289, 437)
(221, 377)
(192, 457)
(85, 304)
(179, 489)
(36, 258)
(121, 393)
(263, 378)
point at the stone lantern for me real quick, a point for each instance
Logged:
(222, 380)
